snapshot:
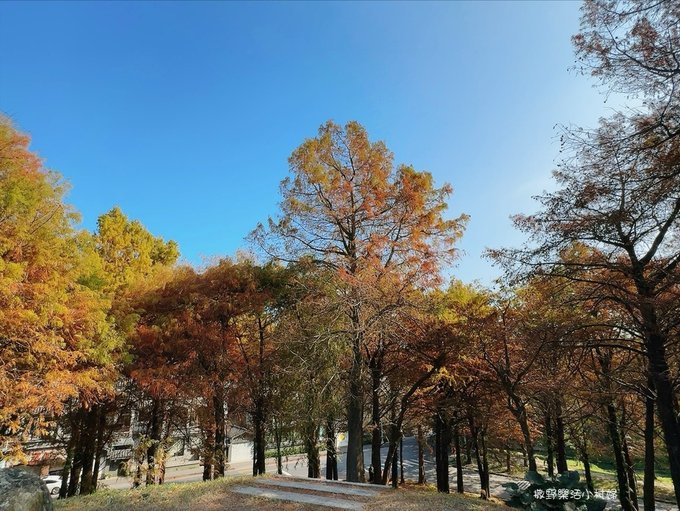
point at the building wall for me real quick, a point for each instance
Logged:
(240, 452)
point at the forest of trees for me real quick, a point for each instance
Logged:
(340, 308)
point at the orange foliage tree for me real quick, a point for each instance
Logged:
(51, 312)
(349, 208)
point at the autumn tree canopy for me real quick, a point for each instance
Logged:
(52, 314)
(345, 323)
(348, 207)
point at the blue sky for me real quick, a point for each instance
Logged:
(184, 114)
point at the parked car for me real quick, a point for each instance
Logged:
(53, 484)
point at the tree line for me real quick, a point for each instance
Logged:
(340, 320)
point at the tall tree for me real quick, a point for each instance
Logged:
(123, 257)
(129, 251)
(632, 46)
(309, 361)
(618, 203)
(50, 313)
(623, 201)
(186, 340)
(349, 208)
(255, 357)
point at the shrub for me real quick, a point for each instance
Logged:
(563, 493)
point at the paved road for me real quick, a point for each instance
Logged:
(297, 466)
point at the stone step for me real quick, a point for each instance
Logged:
(368, 486)
(321, 486)
(302, 498)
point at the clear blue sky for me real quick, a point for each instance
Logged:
(184, 114)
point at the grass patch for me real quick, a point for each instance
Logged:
(662, 490)
(416, 498)
(215, 496)
(662, 475)
(206, 496)
(604, 478)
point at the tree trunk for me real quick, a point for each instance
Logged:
(560, 441)
(66, 469)
(395, 467)
(331, 454)
(460, 487)
(73, 442)
(398, 418)
(621, 473)
(648, 483)
(549, 442)
(89, 449)
(520, 413)
(139, 456)
(486, 484)
(101, 430)
(669, 426)
(661, 378)
(394, 436)
(77, 465)
(479, 440)
(260, 406)
(277, 441)
(259, 442)
(355, 410)
(376, 439)
(442, 447)
(208, 453)
(161, 466)
(312, 448)
(421, 456)
(401, 459)
(84, 435)
(163, 448)
(220, 431)
(161, 456)
(468, 450)
(630, 472)
(585, 458)
(155, 436)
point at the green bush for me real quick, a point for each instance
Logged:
(564, 493)
(289, 450)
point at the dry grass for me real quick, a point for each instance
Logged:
(663, 490)
(419, 498)
(202, 496)
(215, 496)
